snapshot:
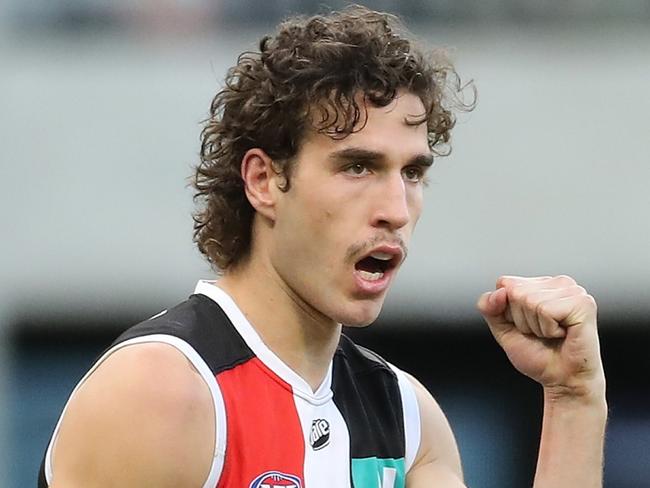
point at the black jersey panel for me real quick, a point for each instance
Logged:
(42, 482)
(202, 323)
(367, 394)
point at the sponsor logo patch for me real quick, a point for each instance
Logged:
(376, 472)
(320, 434)
(276, 479)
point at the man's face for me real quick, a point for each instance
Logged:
(342, 230)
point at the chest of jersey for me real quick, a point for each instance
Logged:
(277, 437)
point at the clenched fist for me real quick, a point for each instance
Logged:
(547, 327)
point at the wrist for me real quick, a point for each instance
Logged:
(585, 393)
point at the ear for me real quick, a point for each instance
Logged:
(260, 181)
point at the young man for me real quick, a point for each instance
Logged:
(310, 184)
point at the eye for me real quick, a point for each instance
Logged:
(413, 174)
(357, 169)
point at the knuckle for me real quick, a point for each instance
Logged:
(530, 301)
(578, 290)
(543, 308)
(516, 294)
(506, 281)
(590, 301)
(565, 280)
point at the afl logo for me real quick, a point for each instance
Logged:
(320, 434)
(275, 479)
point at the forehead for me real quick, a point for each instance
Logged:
(399, 127)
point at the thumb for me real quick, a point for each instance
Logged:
(493, 303)
(493, 306)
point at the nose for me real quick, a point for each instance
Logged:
(391, 210)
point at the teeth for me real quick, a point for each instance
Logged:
(368, 276)
(383, 256)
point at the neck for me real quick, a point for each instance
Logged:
(299, 335)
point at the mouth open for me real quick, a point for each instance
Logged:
(374, 266)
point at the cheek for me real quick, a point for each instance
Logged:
(417, 212)
(415, 203)
(308, 227)
(322, 212)
(329, 231)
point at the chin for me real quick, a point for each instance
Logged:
(358, 325)
(361, 315)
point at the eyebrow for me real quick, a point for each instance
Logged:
(359, 154)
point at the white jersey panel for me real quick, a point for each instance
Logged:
(327, 445)
(412, 427)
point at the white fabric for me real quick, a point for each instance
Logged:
(330, 466)
(412, 424)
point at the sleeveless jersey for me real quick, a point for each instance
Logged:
(360, 428)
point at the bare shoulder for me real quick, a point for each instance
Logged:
(144, 417)
(438, 460)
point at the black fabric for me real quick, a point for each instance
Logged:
(367, 394)
(42, 482)
(202, 323)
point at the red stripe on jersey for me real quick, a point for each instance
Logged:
(264, 431)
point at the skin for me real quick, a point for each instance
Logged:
(305, 244)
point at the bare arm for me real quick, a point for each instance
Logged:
(143, 418)
(571, 446)
(547, 327)
(437, 462)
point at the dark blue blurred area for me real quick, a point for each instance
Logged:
(38, 388)
(41, 379)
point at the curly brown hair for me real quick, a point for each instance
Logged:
(306, 76)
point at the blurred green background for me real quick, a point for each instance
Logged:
(100, 111)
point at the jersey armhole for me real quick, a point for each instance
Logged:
(199, 364)
(411, 414)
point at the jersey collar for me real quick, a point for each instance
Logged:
(300, 387)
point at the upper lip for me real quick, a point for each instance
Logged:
(398, 254)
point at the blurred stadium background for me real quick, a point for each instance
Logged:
(100, 110)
